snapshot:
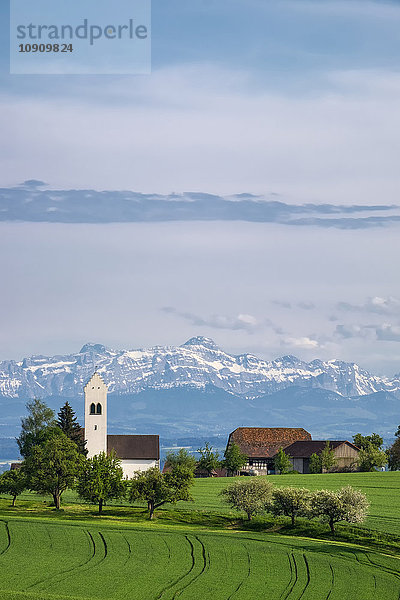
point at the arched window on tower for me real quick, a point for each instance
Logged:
(93, 409)
(98, 409)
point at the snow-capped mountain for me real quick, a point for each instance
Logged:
(198, 363)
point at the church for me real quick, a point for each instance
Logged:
(136, 452)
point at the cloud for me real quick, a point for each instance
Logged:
(375, 304)
(218, 125)
(384, 332)
(388, 333)
(306, 305)
(240, 322)
(304, 343)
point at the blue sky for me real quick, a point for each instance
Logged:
(298, 98)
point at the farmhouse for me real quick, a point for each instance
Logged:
(137, 452)
(261, 444)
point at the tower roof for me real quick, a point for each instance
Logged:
(96, 381)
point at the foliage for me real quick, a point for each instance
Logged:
(36, 428)
(101, 479)
(291, 502)
(69, 425)
(394, 455)
(364, 441)
(250, 495)
(52, 467)
(346, 504)
(156, 488)
(370, 457)
(328, 460)
(13, 483)
(181, 458)
(282, 462)
(234, 459)
(315, 463)
(209, 460)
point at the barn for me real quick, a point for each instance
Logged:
(261, 444)
(136, 452)
(346, 454)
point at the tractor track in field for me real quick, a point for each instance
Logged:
(293, 577)
(8, 538)
(332, 581)
(308, 576)
(60, 576)
(205, 565)
(247, 574)
(129, 549)
(176, 581)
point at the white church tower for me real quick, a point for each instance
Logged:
(96, 415)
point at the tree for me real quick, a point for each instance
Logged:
(234, 459)
(181, 458)
(370, 457)
(282, 462)
(394, 455)
(52, 466)
(251, 495)
(363, 441)
(156, 488)
(209, 460)
(36, 427)
(346, 504)
(291, 502)
(101, 479)
(13, 483)
(69, 425)
(328, 460)
(315, 463)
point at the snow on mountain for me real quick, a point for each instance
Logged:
(197, 363)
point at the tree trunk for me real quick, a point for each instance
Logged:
(332, 526)
(13, 502)
(151, 509)
(249, 516)
(100, 506)
(292, 516)
(56, 499)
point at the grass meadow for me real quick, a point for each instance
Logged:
(200, 550)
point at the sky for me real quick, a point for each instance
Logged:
(297, 99)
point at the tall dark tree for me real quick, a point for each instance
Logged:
(234, 459)
(68, 423)
(36, 428)
(209, 460)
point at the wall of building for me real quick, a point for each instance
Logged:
(346, 457)
(96, 424)
(129, 466)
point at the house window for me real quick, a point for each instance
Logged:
(93, 409)
(98, 409)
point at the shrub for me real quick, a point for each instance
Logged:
(251, 495)
(291, 502)
(346, 504)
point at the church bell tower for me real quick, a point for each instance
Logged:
(96, 415)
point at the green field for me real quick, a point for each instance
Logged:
(44, 560)
(382, 490)
(197, 550)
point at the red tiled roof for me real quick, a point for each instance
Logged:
(306, 448)
(264, 442)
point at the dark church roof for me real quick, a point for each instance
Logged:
(306, 448)
(264, 442)
(134, 446)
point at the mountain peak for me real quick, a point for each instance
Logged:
(99, 348)
(200, 340)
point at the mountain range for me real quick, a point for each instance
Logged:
(198, 389)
